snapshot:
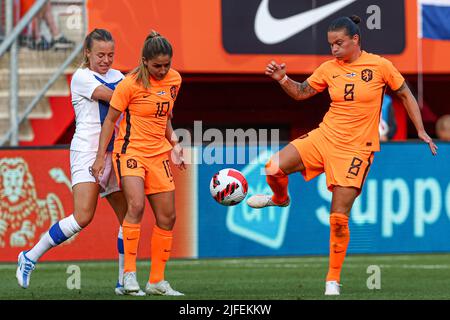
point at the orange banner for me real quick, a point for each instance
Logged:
(36, 192)
(195, 29)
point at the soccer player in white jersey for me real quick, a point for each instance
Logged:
(92, 87)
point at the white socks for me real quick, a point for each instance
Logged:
(58, 233)
(121, 255)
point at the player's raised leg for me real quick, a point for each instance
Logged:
(163, 205)
(85, 201)
(341, 204)
(283, 163)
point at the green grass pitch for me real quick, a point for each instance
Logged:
(290, 278)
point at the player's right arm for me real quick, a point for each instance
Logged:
(86, 86)
(119, 102)
(296, 90)
(103, 93)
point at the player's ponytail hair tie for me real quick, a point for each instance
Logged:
(153, 34)
(355, 19)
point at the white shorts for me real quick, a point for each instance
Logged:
(80, 169)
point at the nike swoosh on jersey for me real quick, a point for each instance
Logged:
(270, 30)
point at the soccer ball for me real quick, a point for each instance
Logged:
(228, 187)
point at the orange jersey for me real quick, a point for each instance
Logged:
(356, 90)
(142, 130)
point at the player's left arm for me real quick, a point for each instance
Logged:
(177, 151)
(170, 134)
(412, 107)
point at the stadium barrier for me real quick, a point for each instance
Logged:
(404, 208)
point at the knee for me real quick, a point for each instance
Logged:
(171, 217)
(83, 215)
(135, 208)
(272, 168)
(167, 220)
(84, 220)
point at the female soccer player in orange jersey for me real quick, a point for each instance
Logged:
(344, 143)
(141, 157)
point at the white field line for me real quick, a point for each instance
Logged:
(276, 263)
(10, 267)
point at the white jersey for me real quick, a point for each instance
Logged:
(90, 114)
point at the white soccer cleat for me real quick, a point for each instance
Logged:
(130, 284)
(24, 269)
(161, 288)
(262, 200)
(332, 288)
(120, 291)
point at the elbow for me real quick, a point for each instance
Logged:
(108, 121)
(112, 117)
(405, 100)
(405, 96)
(402, 97)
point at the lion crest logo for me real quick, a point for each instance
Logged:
(367, 75)
(23, 217)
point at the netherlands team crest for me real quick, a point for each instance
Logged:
(131, 164)
(366, 75)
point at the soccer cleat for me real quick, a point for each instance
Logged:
(42, 44)
(120, 291)
(161, 288)
(24, 268)
(62, 43)
(262, 200)
(332, 288)
(130, 283)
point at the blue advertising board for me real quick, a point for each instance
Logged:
(404, 207)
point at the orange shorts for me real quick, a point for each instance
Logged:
(342, 167)
(155, 171)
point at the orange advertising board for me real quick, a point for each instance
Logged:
(196, 31)
(36, 192)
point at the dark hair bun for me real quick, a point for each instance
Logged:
(355, 19)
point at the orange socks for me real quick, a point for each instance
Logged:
(131, 234)
(160, 250)
(278, 182)
(339, 239)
